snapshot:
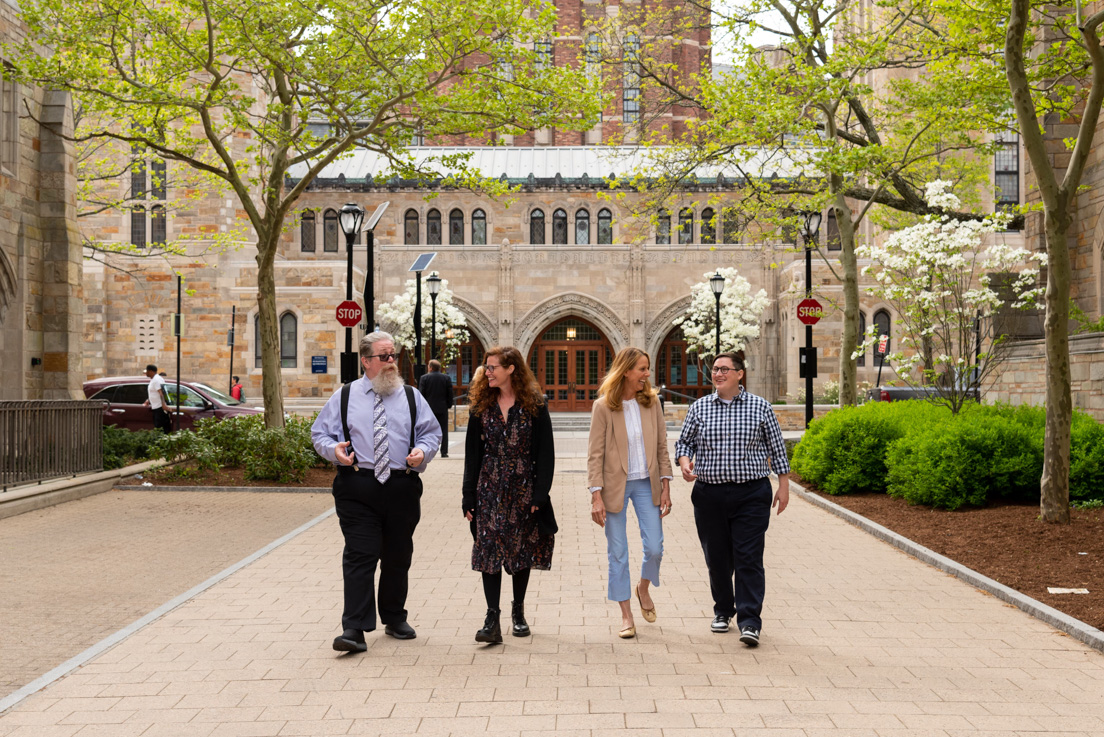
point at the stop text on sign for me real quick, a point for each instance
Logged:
(349, 313)
(809, 311)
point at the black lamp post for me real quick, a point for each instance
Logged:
(716, 283)
(811, 234)
(370, 274)
(351, 218)
(433, 283)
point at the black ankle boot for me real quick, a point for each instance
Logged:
(521, 627)
(492, 630)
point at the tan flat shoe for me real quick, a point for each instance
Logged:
(648, 614)
(628, 633)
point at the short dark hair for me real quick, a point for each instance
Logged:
(236, 378)
(434, 364)
(151, 367)
(738, 363)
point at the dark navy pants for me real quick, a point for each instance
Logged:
(378, 524)
(732, 524)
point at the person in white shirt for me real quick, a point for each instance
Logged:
(628, 460)
(158, 400)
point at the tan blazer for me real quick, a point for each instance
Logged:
(608, 451)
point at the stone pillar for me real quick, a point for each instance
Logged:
(505, 294)
(62, 290)
(637, 287)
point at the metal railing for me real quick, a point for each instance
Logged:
(45, 439)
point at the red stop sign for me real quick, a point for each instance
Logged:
(349, 313)
(809, 311)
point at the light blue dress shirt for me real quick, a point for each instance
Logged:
(326, 431)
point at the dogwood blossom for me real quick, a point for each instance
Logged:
(397, 318)
(937, 274)
(740, 313)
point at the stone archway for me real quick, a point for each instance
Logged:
(481, 326)
(570, 304)
(664, 323)
(570, 358)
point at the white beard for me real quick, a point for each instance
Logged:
(387, 382)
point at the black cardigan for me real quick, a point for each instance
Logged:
(543, 454)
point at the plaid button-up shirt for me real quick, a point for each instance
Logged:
(731, 442)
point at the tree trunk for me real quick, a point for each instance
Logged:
(848, 367)
(1054, 496)
(272, 384)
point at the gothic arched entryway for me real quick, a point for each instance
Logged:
(570, 359)
(459, 368)
(679, 370)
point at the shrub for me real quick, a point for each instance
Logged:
(124, 447)
(278, 455)
(969, 460)
(183, 446)
(1086, 459)
(232, 438)
(845, 451)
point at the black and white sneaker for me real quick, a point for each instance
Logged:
(720, 623)
(749, 636)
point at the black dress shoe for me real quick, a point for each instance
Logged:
(400, 631)
(350, 641)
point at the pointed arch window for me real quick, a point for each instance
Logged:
(158, 226)
(882, 326)
(686, 226)
(329, 231)
(730, 225)
(605, 227)
(433, 227)
(138, 226)
(582, 227)
(411, 236)
(708, 226)
(479, 228)
(289, 335)
(663, 228)
(256, 341)
(559, 227)
(861, 360)
(306, 232)
(536, 227)
(456, 227)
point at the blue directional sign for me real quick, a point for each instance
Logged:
(318, 364)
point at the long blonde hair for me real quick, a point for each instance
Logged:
(613, 386)
(525, 386)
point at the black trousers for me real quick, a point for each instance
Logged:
(732, 522)
(378, 524)
(442, 420)
(162, 420)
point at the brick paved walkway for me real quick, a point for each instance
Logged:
(859, 639)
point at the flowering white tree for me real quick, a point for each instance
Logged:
(937, 274)
(397, 318)
(740, 311)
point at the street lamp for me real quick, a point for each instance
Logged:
(351, 217)
(811, 234)
(370, 273)
(716, 283)
(433, 283)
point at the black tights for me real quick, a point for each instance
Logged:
(492, 587)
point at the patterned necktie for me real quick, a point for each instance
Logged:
(379, 439)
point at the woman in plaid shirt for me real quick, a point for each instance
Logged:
(730, 444)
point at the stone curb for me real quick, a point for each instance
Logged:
(265, 489)
(114, 639)
(30, 497)
(1087, 634)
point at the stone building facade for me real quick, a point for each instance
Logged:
(41, 297)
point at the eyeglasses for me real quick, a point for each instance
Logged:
(490, 368)
(723, 370)
(385, 357)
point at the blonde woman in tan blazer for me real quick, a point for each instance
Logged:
(628, 460)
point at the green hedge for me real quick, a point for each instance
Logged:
(125, 447)
(920, 452)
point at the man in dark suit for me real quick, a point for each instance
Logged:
(436, 387)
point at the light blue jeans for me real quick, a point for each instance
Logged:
(617, 544)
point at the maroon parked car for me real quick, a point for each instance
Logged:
(125, 398)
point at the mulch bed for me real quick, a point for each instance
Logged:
(1007, 543)
(315, 477)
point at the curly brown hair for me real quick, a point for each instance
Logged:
(526, 388)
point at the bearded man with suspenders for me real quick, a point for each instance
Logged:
(381, 435)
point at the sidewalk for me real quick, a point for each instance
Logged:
(858, 639)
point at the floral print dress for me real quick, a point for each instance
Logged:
(506, 534)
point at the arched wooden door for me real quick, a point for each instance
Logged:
(570, 360)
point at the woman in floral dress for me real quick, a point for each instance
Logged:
(509, 461)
